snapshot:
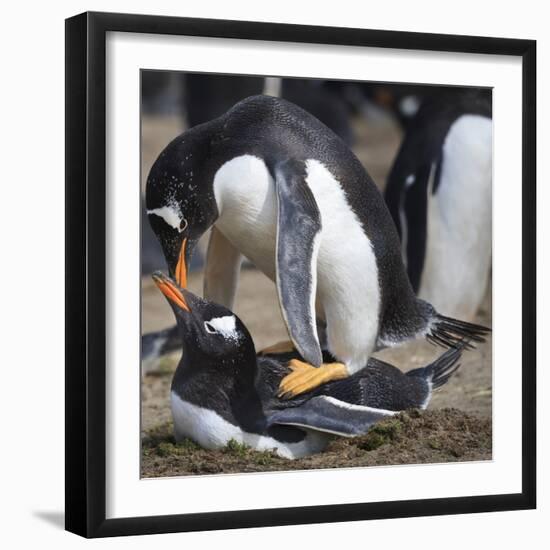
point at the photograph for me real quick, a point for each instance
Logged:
(316, 273)
(282, 272)
(301, 274)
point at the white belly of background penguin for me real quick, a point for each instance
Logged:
(281, 188)
(460, 221)
(439, 193)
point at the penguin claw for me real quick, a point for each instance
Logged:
(284, 395)
(305, 377)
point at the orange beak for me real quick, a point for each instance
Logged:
(181, 270)
(170, 290)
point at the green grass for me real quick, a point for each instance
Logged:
(241, 450)
(380, 434)
(235, 448)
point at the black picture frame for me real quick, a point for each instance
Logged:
(86, 285)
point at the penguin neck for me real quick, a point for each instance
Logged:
(215, 381)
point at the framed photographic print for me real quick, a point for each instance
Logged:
(300, 274)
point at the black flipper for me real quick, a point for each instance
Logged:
(298, 228)
(330, 415)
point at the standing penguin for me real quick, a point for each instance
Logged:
(439, 195)
(221, 390)
(283, 190)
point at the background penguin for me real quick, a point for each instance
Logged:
(207, 96)
(318, 98)
(221, 390)
(439, 195)
(283, 190)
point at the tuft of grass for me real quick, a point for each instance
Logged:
(372, 441)
(412, 413)
(160, 434)
(165, 449)
(264, 458)
(188, 445)
(242, 450)
(235, 448)
(388, 428)
(161, 443)
(182, 448)
(380, 434)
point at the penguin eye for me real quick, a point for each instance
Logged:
(183, 225)
(209, 328)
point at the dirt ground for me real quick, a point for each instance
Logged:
(446, 435)
(457, 425)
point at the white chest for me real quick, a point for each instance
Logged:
(458, 248)
(245, 195)
(211, 431)
(348, 294)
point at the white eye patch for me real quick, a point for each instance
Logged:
(171, 216)
(226, 326)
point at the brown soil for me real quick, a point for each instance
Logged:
(439, 435)
(447, 435)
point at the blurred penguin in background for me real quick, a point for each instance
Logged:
(207, 96)
(400, 101)
(439, 195)
(323, 101)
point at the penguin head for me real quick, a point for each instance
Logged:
(212, 334)
(180, 201)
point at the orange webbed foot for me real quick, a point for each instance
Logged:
(305, 377)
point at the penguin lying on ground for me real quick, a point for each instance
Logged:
(221, 390)
(283, 190)
(439, 195)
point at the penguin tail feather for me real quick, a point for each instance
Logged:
(445, 366)
(439, 372)
(451, 333)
